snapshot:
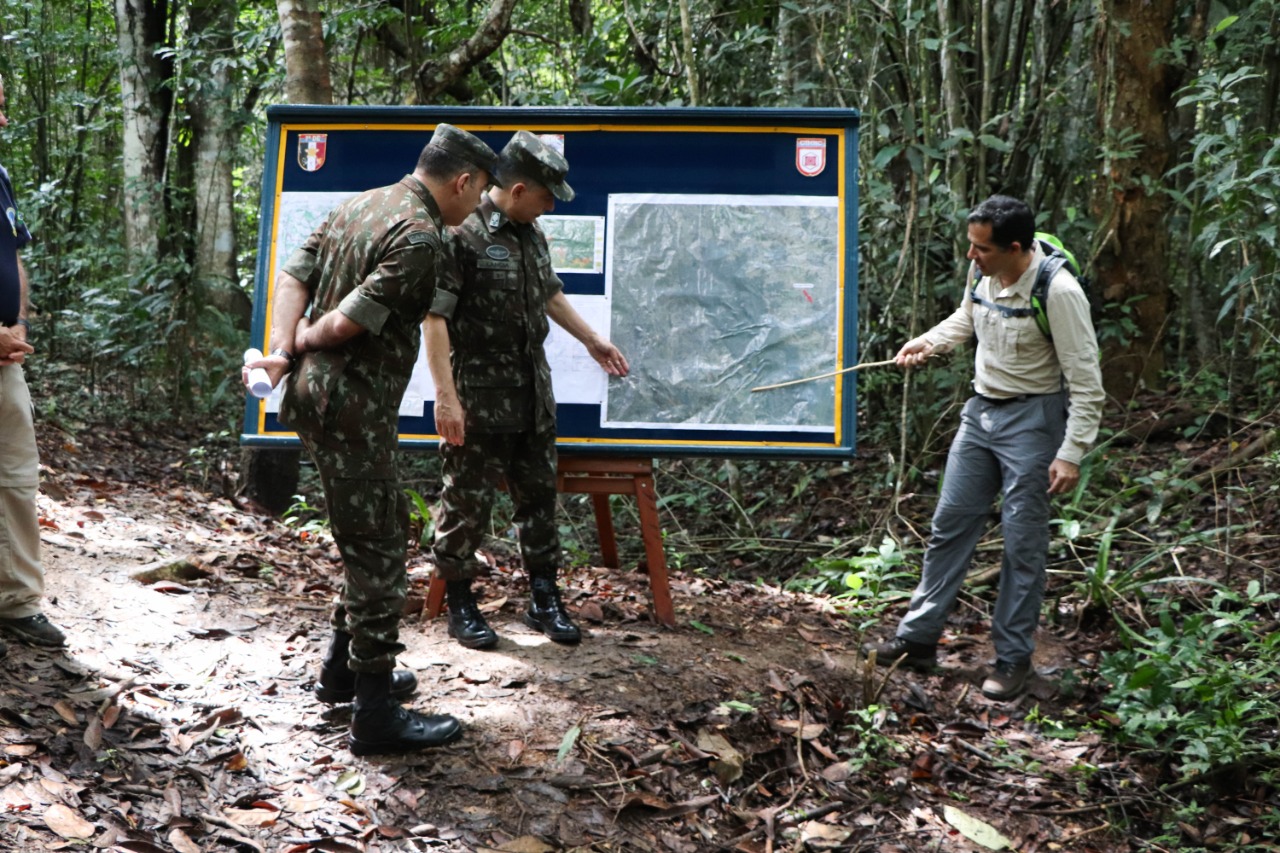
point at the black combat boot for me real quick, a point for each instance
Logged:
(379, 726)
(337, 684)
(922, 657)
(546, 611)
(466, 622)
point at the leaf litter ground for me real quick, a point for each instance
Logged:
(180, 718)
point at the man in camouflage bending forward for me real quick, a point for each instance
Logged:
(494, 404)
(368, 275)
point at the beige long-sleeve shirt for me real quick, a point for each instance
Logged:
(1014, 357)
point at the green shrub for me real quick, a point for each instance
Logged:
(1200, 690)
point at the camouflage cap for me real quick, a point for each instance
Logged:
(529, 156)
(465, 146)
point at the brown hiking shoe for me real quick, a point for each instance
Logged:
(1006, 680)
(922, 657)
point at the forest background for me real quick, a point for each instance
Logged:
(1144, 132)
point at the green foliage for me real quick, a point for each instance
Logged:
(1198, 690)
(421, 524)
(868, 577)
(310, 521)
(862, 587)
(871, 747)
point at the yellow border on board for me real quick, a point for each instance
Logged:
(839, 133)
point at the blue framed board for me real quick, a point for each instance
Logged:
(716, 247)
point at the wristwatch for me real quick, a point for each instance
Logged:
(22, 321)
(285, 354)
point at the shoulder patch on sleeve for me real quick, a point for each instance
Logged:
(419, 238)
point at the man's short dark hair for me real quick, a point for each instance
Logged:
(511, 173)
(1011, 221)
(440, 165)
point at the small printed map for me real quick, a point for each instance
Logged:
(298, 215)
(576, 242)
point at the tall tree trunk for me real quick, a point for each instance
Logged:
(952, 92)
(686, 41)
(148, 103)
(270, 477)
(212, 24)
(1135, 101)
(306, 63)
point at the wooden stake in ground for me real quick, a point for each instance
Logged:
(823, 376)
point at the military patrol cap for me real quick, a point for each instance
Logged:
(529, 156)
(466, 147)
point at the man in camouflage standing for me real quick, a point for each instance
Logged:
(494, 404)
(367, 277)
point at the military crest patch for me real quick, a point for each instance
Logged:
(498, 253)
(811, 156)
(311, 149)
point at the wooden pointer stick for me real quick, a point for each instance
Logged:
(825, 375)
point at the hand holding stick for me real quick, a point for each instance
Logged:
(825, 375)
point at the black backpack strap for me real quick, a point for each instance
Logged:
(1040, 290)
(1004, 310)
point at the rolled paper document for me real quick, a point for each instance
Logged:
(259, 381)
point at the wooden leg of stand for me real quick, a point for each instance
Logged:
(435, 597)
(647, 504)
(604, 526)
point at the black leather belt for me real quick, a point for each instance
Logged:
(1004, 401)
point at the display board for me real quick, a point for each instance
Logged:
(717, 248)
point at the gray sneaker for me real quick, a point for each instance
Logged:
(922, 657)
(36, 630)
(1006, 680)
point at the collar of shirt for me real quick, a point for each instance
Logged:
(490, 215)
(424, 195)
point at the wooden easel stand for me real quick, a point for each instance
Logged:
(601, 477)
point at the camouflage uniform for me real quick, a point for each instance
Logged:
(376, 259)
(495, 302)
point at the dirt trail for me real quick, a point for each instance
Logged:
(180, 716)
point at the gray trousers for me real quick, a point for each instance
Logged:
(1000, 449)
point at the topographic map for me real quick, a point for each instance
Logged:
(713, 295)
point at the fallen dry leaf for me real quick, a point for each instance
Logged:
(306, 799)
(251, 817)
(523, 844)
(62, 820)
(182, 842)
(93, 733)
(493, 606)
(66, 712)
(977, 831)
(728, 763)
(808, 731)
(823, 836)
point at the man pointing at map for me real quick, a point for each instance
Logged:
(494, 404)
